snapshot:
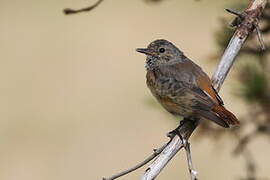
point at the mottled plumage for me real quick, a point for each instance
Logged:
(181, 86)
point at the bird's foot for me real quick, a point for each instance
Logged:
(174, 132)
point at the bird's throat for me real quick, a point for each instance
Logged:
(150, 63)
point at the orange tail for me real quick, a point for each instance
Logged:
(225, 115)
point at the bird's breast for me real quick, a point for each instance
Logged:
(163, 85)
(170, 93)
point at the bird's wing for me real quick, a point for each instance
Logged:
(199, 93)
(194, 78)
(204, 83)
(202, 80)
(191, 77)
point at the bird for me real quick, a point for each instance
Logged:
(181, 86)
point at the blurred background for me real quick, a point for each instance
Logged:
(74, 103)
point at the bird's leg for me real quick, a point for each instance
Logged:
(174, 132)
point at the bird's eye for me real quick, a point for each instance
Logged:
(161, 50)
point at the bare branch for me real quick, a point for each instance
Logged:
(193, 173)
(69, 11)
(248, 22)
(148, 159)
(184, 130)
(253, 12)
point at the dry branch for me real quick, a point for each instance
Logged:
(184, 130)
(247, 25)
(148, 159)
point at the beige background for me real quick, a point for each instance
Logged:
(74, 104)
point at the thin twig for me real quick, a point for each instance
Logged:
(237, 13)
(193, 173)
(260, 38)
(148, 159)
(69, 11)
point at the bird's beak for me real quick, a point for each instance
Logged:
(145, 51)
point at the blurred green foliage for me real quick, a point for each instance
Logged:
(254, 84)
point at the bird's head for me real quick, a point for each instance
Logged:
(160, 52)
